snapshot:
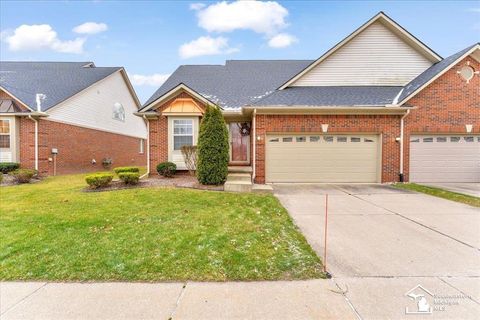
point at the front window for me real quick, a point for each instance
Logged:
(182, 133)
(4, 133)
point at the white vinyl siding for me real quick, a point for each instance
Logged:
(445, 158)
(322, 158)
(376, 56)
(94, 108)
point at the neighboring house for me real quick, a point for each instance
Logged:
(380, 106)
(66, 117)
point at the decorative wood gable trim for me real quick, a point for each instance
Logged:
(183, 107)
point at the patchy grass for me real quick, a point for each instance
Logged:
(441, 193)
(51, 230)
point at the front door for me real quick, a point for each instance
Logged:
(239, 142)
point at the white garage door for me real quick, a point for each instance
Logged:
(322, 158)
(451, 158)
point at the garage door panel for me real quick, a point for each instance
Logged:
(317, 158)
(445, 158)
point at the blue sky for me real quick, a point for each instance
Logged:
(151, 38)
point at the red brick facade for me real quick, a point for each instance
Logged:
(387, 126)
(158, 133)
(77, 146)
(445, 106)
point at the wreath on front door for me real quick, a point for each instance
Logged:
(244, 128)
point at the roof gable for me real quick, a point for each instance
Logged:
(380, 52)
(58, 81)
(435, 71)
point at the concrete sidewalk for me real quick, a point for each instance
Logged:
(310, 299)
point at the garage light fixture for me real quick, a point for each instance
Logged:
(324, 128)
(469, 128)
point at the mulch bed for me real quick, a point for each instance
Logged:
(178, 181)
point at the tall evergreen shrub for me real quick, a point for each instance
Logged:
(212, 165)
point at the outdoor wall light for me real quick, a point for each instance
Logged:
(469, 127)
(324, 128)
(259, 138)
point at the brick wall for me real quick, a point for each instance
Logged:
(158, 133)
(388, 126)
(77, 146)
(445, 106)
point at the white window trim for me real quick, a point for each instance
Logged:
(192, 123)
(175, 155)
(9, 134)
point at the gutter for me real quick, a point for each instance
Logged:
(148, 147)
(36, 140)
(402, 122)
(254, 124)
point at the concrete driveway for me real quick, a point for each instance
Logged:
(382, 242)
(472, 189)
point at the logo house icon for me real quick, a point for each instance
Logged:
(420, 296)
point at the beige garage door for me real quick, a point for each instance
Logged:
(446, 158)
(322, 158)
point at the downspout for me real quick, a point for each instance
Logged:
(148, 147)
(36, 140)
(254, 144)
(401, 177)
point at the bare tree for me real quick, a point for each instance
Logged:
(190, 157)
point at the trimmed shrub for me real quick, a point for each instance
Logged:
(23, 175)
(6, 167)
(129, 177)
(126, 169)
(167, 169)
(212, 163)
(99, 179)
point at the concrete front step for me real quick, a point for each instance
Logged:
(262, 188)
(240, 169)
(239, 177)
(238, 186)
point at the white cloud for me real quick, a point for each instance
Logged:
(474, 10)
(205, 46)
(197, 6)
(282, 40)
(41, 37)
(90, 28)
(154, 80)
(261, 17)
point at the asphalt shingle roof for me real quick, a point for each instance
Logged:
(235, 84)
(431, 72)
(331, 96)
(56, 80)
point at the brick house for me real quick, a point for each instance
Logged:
(67, 117)
(380, 106)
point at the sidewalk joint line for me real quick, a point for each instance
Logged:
(179, 298)
(466, 295)
(343, 293)
(24, 298)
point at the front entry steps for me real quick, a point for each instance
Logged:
(238, 182)
(239, 179)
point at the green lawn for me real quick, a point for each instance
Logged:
(52, 231)
(441, 193)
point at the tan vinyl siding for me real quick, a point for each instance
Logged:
(376, 56)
